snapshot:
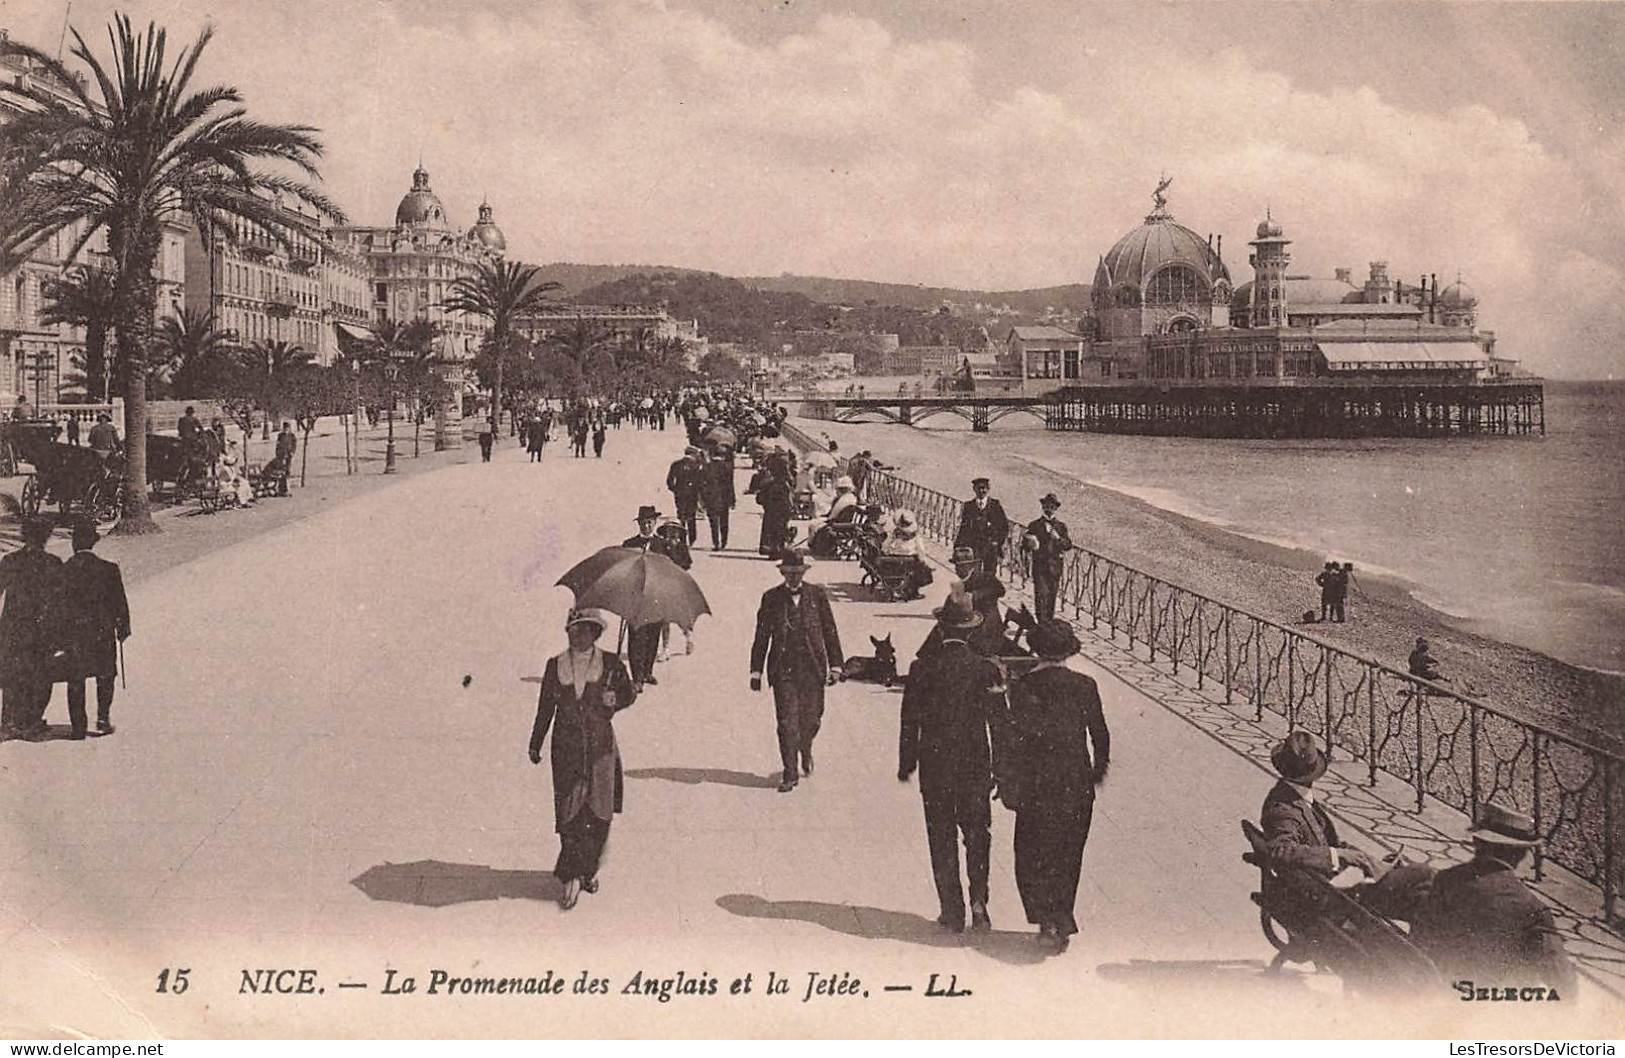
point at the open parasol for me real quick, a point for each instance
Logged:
(721, 435)
(640, 586)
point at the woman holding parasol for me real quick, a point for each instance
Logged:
(582, 690)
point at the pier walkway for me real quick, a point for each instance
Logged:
(320, 764)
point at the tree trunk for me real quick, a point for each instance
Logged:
(304, 457)
(135, 296)
(496, 401)
(349, 463)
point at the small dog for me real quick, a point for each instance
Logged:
(882, 668)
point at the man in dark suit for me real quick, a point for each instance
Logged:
(286, 445)
(643, 643)
(1481, 922)
(983, 526)
(799, 649)
(947, 704)
(1047, 542)
(1298, 829)
(30, 630)
(683, 481)
(96, 620)
(717, 485)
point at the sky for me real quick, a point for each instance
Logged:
(992, 145)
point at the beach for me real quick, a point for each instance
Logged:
(1268, 569)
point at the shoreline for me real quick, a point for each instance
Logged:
(1258, 575)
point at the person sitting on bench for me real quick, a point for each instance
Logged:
(844, 507)
(902, 552)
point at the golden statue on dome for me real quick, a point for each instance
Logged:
(1158, 197)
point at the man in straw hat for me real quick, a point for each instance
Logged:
(96, 620)
(1047, 542)
(798, 647)
(1481, 921)
(983, 525)
(948, 704)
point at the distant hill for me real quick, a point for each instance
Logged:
(1071, 296)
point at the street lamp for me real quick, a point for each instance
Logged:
(392, 371)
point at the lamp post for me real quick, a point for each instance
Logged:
(392, 371)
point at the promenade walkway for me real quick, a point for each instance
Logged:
(320, 764)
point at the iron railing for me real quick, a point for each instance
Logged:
(1455, 749)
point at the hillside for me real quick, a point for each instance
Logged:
(576, 278)
(1073, 297)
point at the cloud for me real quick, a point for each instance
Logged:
(906, 150)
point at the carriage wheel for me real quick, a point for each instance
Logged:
(31, 496)
(107, 507)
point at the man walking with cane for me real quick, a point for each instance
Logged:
(97, 622)
(1047, 541)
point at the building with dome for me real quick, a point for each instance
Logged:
(412, 265)
(1160, 278)
(1172, 346)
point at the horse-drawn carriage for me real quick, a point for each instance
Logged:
(80, 482)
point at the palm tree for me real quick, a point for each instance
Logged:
(188, 349)
(580, 340)
(424, 381)
(144, 149)
(84, 298)
(500, 291)
(269, 365)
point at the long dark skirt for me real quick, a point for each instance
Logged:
(581, 847)
(1049, 856)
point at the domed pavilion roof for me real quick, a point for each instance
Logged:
(1154, 245)
(421, 206)
(486, 231)
(1458, 294)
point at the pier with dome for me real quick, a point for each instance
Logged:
(1174, 346)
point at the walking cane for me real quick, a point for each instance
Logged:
(122, 679)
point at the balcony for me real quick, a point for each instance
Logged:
(304, 257)
(257, 245)
(280, 305)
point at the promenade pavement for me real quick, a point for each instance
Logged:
(320, 764)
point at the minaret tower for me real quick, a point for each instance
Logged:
(1269, 260)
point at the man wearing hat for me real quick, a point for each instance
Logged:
(30, 626)
(643, 643)
(1298, 829)
(96, 620)
(799, 649)
(717, 488)
(844, 507)
(1480, 921)
(948, 703)
(1327, 579)
(683, 480)
(985, 591)
(1047, 542)
(983, 526)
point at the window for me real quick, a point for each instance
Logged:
(1175, 285)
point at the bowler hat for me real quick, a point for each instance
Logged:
(85, 534)
(959, 611)
(1054, 639)
(964, 555)
(1503, 826)
(647, 512)
(793, 561)
(1298, 759)
(1049, 500)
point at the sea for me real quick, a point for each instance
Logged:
(1517, 538)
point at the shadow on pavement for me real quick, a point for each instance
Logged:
(711, 776)
(873, 923)
(434, 883)
(1199, 973)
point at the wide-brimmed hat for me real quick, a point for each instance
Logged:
(844, 482)
(1503, 826)
(1049, 500)
(647, 512)
(1054, 639)
(587, 616)
(959, 611)
(794, 561)
(965, 556)
(1298, 758)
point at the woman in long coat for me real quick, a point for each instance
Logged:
(582, 690)
(1046, 767)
